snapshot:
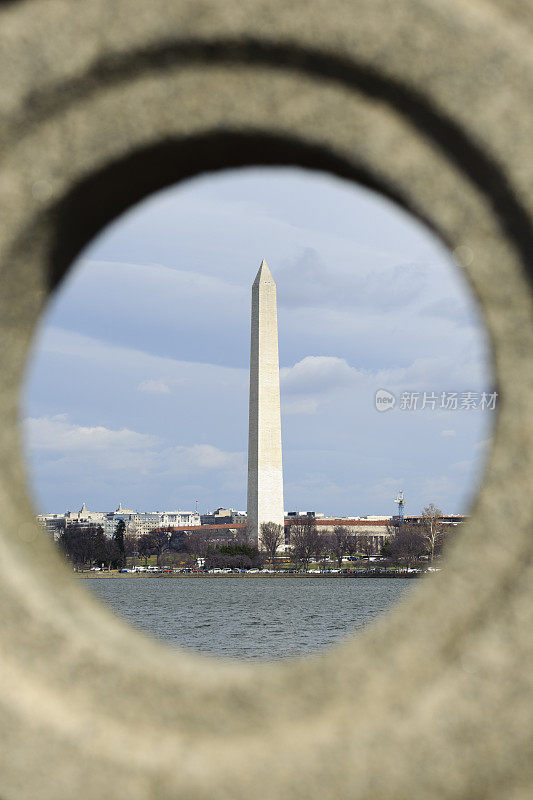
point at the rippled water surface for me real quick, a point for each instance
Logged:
(249, 618)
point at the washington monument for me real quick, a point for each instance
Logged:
(265, 471)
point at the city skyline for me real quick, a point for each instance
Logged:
(139, 384)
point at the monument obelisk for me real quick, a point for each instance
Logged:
(265, 471)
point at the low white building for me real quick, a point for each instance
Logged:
(84, 515)
(112, 518)
(137, 522)
(53, 524)
(176, 519)
(140, 522)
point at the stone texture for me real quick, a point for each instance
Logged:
(429, 103)
(265, 469)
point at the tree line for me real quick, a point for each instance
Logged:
(405, 545)
(307, 542)
(88, 546)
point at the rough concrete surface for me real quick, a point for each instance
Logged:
(429, 102)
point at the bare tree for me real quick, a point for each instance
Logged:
(366, 546)
(145, 547)
(112, 555)
(272, 538)
(302, 535)
(431, 527)
(242, 537)
(339, 543)
(176, 540)
(352, 544)
(407, 544)
(447, 532)
(130, 544)
(321, 547)
(196, 543)
(160, 541)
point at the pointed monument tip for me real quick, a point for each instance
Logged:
(263, 273)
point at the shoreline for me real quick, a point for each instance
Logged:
(204, 575)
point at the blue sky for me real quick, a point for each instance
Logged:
(138, 387)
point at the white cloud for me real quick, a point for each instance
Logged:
(100, 448)
(316, 380)
(435, 374)
(57, 433)
(448, 432)
(99, 354)
(306, 405)
(203, 457)
(167, 284)
(377, 282)
(154, 387)
(317, 374)
(313, 381)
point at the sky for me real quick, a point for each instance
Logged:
(137, 391)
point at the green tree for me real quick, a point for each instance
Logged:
(99, 546)
(118, 538)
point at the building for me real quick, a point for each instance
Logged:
(223, 516)
(313, 514)
(179, 518)
(53, 524)
(84, 516)
(140, 522)
(136, 522)
(112, 517)
(375, 530)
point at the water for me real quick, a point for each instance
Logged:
(250, 618)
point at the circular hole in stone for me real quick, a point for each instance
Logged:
(137, 406)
